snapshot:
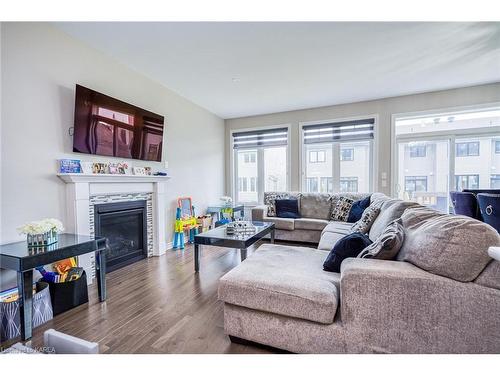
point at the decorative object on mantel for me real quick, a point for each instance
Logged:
(100, 168)
(86, 167)
(42, 233)
(148, 171)
(139, 171)
(69, 166)
(118, 168)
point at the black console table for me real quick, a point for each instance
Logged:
(18, 257)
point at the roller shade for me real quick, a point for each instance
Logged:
(260, 138)
(339, 131)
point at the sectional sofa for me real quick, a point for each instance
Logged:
(440, 295)
(314, 209)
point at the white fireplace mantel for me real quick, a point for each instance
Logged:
(106, 178)
(80, 187)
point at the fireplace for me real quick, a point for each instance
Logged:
(124, 224)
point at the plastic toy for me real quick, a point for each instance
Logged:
(185, 219)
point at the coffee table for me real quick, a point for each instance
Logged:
(218, 237)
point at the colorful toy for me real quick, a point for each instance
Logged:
(185, 219)
(65, 265)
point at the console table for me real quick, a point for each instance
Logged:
(19, 257)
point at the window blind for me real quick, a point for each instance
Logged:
(260, 138)
(339, 131)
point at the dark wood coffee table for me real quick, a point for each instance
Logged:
(218, 237)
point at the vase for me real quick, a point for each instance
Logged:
(43, 239)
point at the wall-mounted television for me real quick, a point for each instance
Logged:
(109, 127)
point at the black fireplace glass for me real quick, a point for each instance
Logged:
(124, 227)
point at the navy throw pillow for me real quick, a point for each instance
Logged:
(357, 209)
(287, 208)
(347, 247)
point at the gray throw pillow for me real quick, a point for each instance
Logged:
(364, 224)
(269, 201)
(388, 244)
(340, 212)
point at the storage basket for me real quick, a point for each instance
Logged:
(10, 318)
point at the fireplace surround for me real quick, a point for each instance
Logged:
(84, 192)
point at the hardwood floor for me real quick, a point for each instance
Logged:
(157, 305)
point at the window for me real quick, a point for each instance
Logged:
(418, 151)
(495, 181)
(338, 142)
(347, 154)
(466, 182)
(497, 147)
(260, 158)
(253, 184)
(467, 149)
(250, 157)
(317, 156)
(312, 184)
(349, 184)
(472, 135)
(326, 185)
(415, 183)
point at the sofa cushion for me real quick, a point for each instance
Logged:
(357, 209)
(316, 206)
(285, 280)
(364, 224)
(390, 210)
(281, 222)
(338, 227)
(329, 239)
(340, 212)
(388, 244)
(490, 277)
(453, 246)
(287, 208)
(311, 224)
(270, 197)
(348, 247)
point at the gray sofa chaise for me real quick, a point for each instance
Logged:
(441, 294)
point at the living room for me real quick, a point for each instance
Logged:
(250, 187)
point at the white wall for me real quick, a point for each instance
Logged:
(385, 108)
(40, 67)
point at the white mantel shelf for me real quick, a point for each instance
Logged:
(107, 178)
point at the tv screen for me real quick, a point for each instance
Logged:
(109, 127)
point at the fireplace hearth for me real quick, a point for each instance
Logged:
(124, 224)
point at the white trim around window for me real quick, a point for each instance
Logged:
(451, 135)
(374, 149)
(232, 161)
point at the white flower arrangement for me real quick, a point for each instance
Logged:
(41, 227)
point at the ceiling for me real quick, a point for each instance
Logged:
(241, 69)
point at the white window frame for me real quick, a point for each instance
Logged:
(336, 147)
(449, 135)
(260, 165)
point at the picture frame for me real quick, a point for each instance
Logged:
(139, 171)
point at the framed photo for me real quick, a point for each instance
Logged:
(114, 168)
(99, 168)
(87, 167)
(139, 171)
(69, 166)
